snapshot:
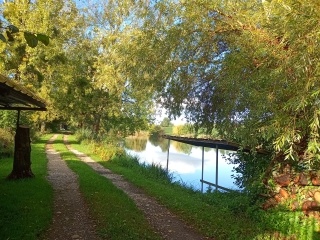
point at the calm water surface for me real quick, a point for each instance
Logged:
(185, 161)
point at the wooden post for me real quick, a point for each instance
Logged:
(202, 169)
(217, 166)
(22, 151)
(18, 119)
(168, 155)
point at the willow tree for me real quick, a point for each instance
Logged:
(250, 68)
(115, 102)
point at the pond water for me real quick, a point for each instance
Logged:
(185, 161)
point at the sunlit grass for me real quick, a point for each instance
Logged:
(167, 130)
(26, 205)
(217, 215)
(186, 203)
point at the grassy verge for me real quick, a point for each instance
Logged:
(26, 205)
(209, 219)
(217, 215)
(167, 130)
(116, 214)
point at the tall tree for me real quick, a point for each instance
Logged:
(248, 68)
(124, 106)
(42, 69)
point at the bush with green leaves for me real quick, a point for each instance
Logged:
(6, 142)
(250, 171)
(83, 134)
(155, 129)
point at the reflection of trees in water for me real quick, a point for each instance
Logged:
(206, 149)
(156, 141)
(224, 152)
(136, 144)
(164, 144)
(182, 147)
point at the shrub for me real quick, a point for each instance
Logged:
(155, 130)
(6, 142)
(249, 172)
(83, 134)
(177, 130)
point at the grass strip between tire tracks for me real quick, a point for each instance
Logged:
(116, 214)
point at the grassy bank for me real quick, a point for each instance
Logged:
(167, 130)
(228, 222)
(26, 205)
(116, 214)
(217, 215)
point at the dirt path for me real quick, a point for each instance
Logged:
(167, 224)
(71, 219)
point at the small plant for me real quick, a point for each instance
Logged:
(83, 134)
(6, 143)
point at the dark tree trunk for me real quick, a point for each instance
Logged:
(22, 150)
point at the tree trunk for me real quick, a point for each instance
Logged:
(22, 150)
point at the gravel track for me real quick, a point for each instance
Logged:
(71, 219)
(166, 223)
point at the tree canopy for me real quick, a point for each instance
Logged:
(248, 68)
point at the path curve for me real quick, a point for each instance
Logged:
(166, 223)
(71, 219)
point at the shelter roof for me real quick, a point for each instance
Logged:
(14, 96)
(212, 143)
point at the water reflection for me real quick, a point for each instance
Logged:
(159, 141)
(182, 147)
(137, 144)
(185, 160)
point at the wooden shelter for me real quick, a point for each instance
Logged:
(211, 143)
(14, 96)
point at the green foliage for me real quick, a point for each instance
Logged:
(166, 122)
(215, 214)
(192, 130)
(31, 38)
(106, 151)
(249, 173)
(43, 38)
(194, 208)
(155, 129)
(83, 134)
(6, 143)
(167, 130)
(248, 68)
(105, 147)
(178, 130)
(8, 119)
(150, 171)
